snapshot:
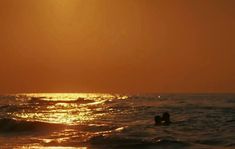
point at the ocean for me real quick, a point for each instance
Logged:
(113, 121)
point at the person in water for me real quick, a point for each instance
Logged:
(158, 120)
(164, 120)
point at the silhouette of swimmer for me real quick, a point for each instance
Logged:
(158, 120)
(164, 120)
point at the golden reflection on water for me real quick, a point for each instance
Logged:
(62, 108)
(51, 147)
(81, 117)
(72, 96)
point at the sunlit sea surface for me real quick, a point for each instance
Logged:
(116, 121)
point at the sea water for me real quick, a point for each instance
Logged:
(116, 121)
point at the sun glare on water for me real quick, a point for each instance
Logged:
(63, 108)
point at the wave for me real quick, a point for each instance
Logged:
(135, 142)
(8, 125)
(117, 142)
(42, 100)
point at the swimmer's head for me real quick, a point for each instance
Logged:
(166, 117)
(157, 119)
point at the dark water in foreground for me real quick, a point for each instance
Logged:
(116, 121)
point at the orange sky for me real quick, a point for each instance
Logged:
(123, 46)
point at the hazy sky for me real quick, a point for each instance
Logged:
(117, 46)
